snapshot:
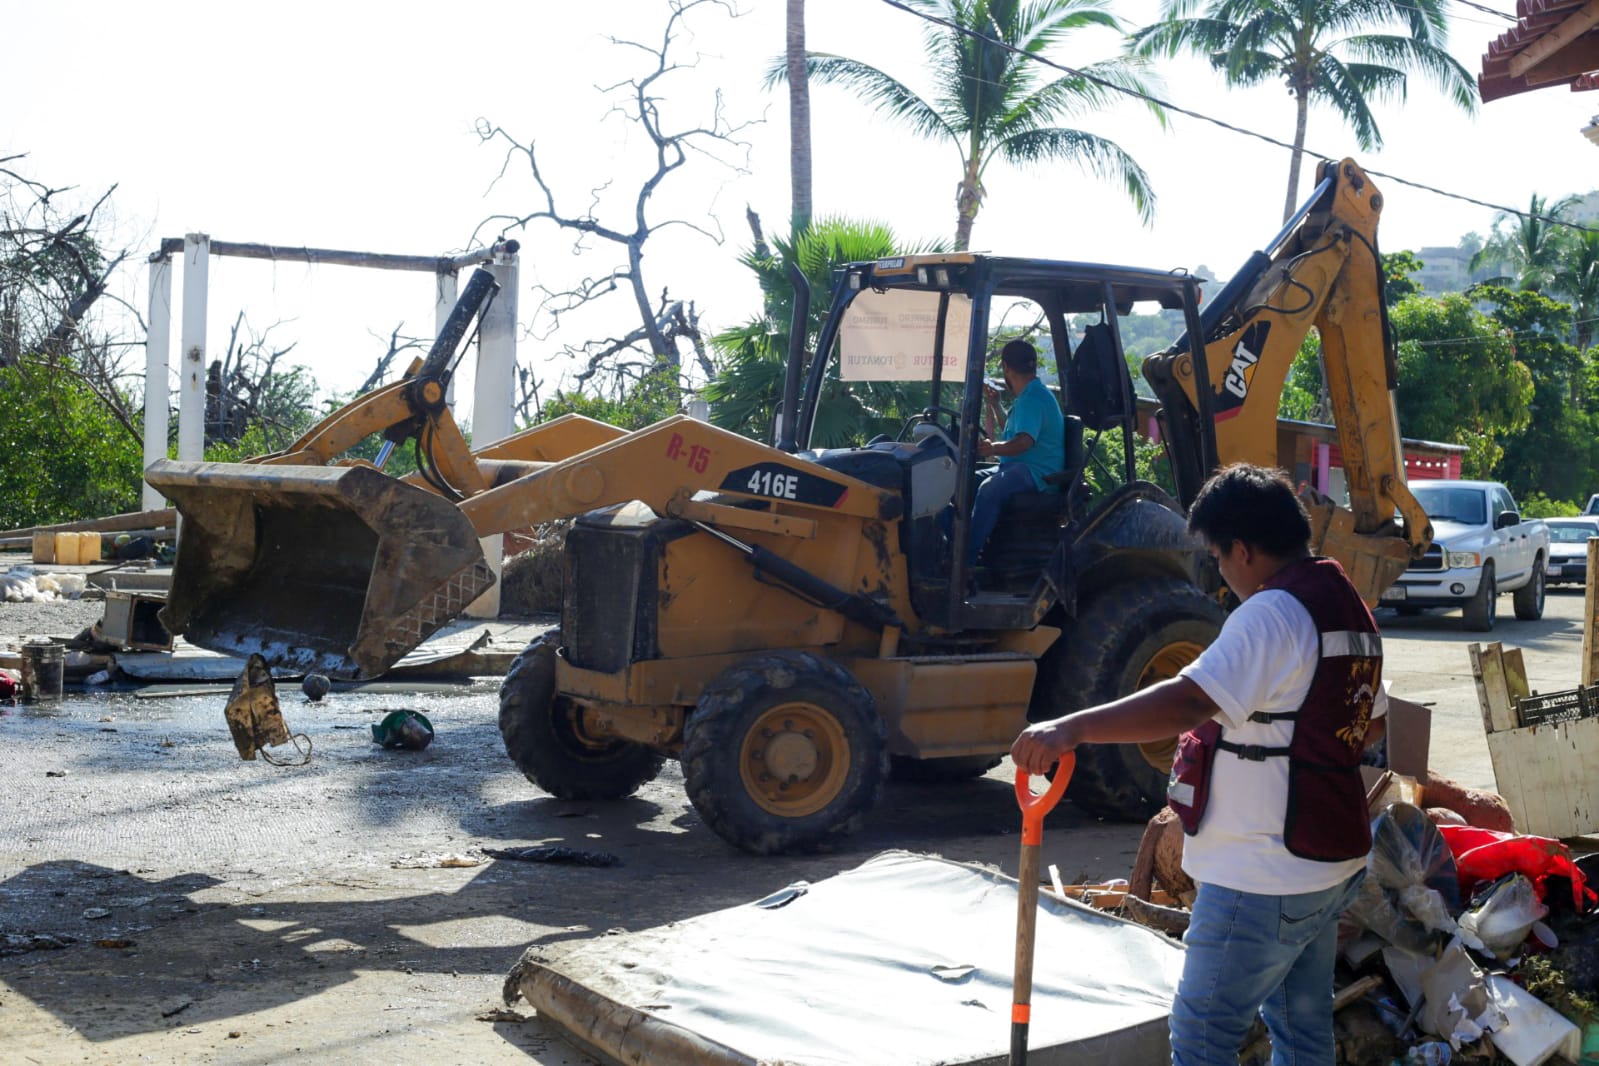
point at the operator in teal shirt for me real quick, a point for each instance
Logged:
(1031, 447)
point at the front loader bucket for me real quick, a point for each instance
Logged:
(334, 570)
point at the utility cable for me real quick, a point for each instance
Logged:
(1230, 127)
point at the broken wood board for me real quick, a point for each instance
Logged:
(1549, 776)
(1548, 773)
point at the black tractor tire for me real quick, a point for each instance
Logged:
(778, 720)
(1529, 598)
(1128, 637)
(543, 735)
(940, 771)
(1478, 615)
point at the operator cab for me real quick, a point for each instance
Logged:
(921, 331)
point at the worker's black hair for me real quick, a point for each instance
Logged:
(1020, 357)
(1254, 504)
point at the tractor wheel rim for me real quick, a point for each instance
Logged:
(1163, 666)
(794, 759)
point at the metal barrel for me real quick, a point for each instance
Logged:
(334, 570)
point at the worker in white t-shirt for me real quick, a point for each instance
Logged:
(1274, 716)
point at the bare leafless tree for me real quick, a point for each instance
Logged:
(54, 271)
(666, 327)
(251, 386)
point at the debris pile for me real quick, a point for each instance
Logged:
(21, 584)
(1469, 942)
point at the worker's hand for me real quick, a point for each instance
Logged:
(1041, 746)
(985, 448)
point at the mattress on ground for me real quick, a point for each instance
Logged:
(904, 960)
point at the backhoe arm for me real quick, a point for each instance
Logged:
(1322, 271)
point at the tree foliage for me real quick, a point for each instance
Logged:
(748, 388)
(65, 456)
(1459, 379)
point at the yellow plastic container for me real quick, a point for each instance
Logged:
(44, 547)
(88, 549)
(67, 548)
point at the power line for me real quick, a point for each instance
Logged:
(1507, 16)
(1230, 127)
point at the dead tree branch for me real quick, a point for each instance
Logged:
(665, 329)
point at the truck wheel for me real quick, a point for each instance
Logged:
(1129, 637)
(1480, 611)
(940, 771)
(1529, 598)
(786, 752)
(543, 734)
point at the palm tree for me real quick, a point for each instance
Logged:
(1576, 277)
(990, 101)
(1322, 49)
(799, 118)
(1525, 242)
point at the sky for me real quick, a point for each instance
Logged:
(355, 126)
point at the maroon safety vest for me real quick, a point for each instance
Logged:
(1326, 818)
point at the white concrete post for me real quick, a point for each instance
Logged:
(494, 398)
(157, 352)
(191, 384)
(443, 304)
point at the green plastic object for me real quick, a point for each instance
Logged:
(404, 729)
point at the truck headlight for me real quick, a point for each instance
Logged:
(1462, 560)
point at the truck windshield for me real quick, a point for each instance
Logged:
(1452, 504)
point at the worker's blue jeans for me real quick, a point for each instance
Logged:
(1273, 954)
(998, 485)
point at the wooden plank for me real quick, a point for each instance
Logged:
(1504, 751)
(1590, 645)
(1493, 694)
(1515, 676)
(164, 516)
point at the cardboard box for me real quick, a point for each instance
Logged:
(131, 621)
(1409, 737)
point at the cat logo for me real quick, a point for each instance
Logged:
(1246, 355)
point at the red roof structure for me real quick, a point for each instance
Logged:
(1554, 42)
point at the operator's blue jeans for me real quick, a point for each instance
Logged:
(998, 486)
(1273, 954)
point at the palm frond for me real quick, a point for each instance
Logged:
(1100, 157)
(1433, 63)
(879, 90)
(1333, 85)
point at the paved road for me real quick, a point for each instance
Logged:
(273, 912)
(1428, 662)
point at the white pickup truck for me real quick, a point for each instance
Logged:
(1481, 547)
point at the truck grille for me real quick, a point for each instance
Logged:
(1433, 560)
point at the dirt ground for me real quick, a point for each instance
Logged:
(162, 901)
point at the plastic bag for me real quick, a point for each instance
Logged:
(1499, 919)
(1483, 855)
(1410, 889)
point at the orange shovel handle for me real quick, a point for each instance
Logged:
(1035, 805)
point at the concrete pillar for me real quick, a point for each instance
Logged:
(157, 353)
(494, 398)
(191, 383)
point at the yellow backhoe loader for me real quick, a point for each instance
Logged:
(792, 623)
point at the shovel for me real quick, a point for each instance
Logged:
(1034, 807)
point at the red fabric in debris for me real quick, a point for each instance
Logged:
(1483, 855)
(8, 686)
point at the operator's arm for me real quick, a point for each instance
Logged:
(1015, 446)
(1154, 713)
